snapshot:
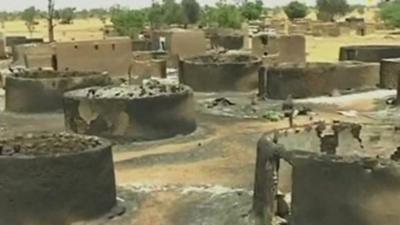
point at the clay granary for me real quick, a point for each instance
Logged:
(179, 43)
(279, 48)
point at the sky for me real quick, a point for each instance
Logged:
(12, 5)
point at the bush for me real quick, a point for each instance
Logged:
(252, 10)
(66, 15)
(191, 10)
(128, 22)
(329, 9)
(223, 15)
(390, 13)
(296, 10)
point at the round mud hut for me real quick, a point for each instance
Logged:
(220, 72)
(55, 178)
(316, 79)
(42, 91)
(131, 113)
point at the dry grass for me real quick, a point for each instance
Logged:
(79, 30)
(327, 48)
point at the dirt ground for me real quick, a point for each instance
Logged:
(199, 178)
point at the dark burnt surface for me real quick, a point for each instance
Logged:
(223, 59)
(48, 144)
(47, 74)
(150, 89)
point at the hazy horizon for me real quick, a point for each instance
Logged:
(17, 5)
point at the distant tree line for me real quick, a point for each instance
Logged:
(189, 12)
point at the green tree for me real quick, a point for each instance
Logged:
(98, 12)
(127, 21)
(390, 13)
(191, 11)
(155, 15)
(28, 15)
(66, 15)
(252, 10)
(224, 15)
(329, 9)
(296, 10)
(172, 12)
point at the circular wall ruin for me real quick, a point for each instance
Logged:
(148, 112)
(231, 41)
(369, 53)
(220, 72)
(342, 173)
(49, 179)
(390, 72)
(42, 91)
(315, 79)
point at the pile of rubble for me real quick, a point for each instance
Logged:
(47, 144)
(150, 88)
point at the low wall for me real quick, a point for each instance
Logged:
(131, 113)
(227, 41)
(149, 64)
(41, 91)
(369, 53)
(215, 73)
(315, 79)
(50, 179)
(390, 72)
(12, 41)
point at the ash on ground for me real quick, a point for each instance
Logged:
(37, 74)
(245, 106)
(149, 88)
(47, 144)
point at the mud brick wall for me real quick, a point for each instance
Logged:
(62, 189)
(141, 45)
(180, 44)
(369, 53)
(112, 55)
(12, 41)
(348, 192)
(314, 79)
(229, 41)
(33, 55)
(231, 73)
(149, 64)
(389, 74)
(36, 95)
(285, 48)
(2, 46)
